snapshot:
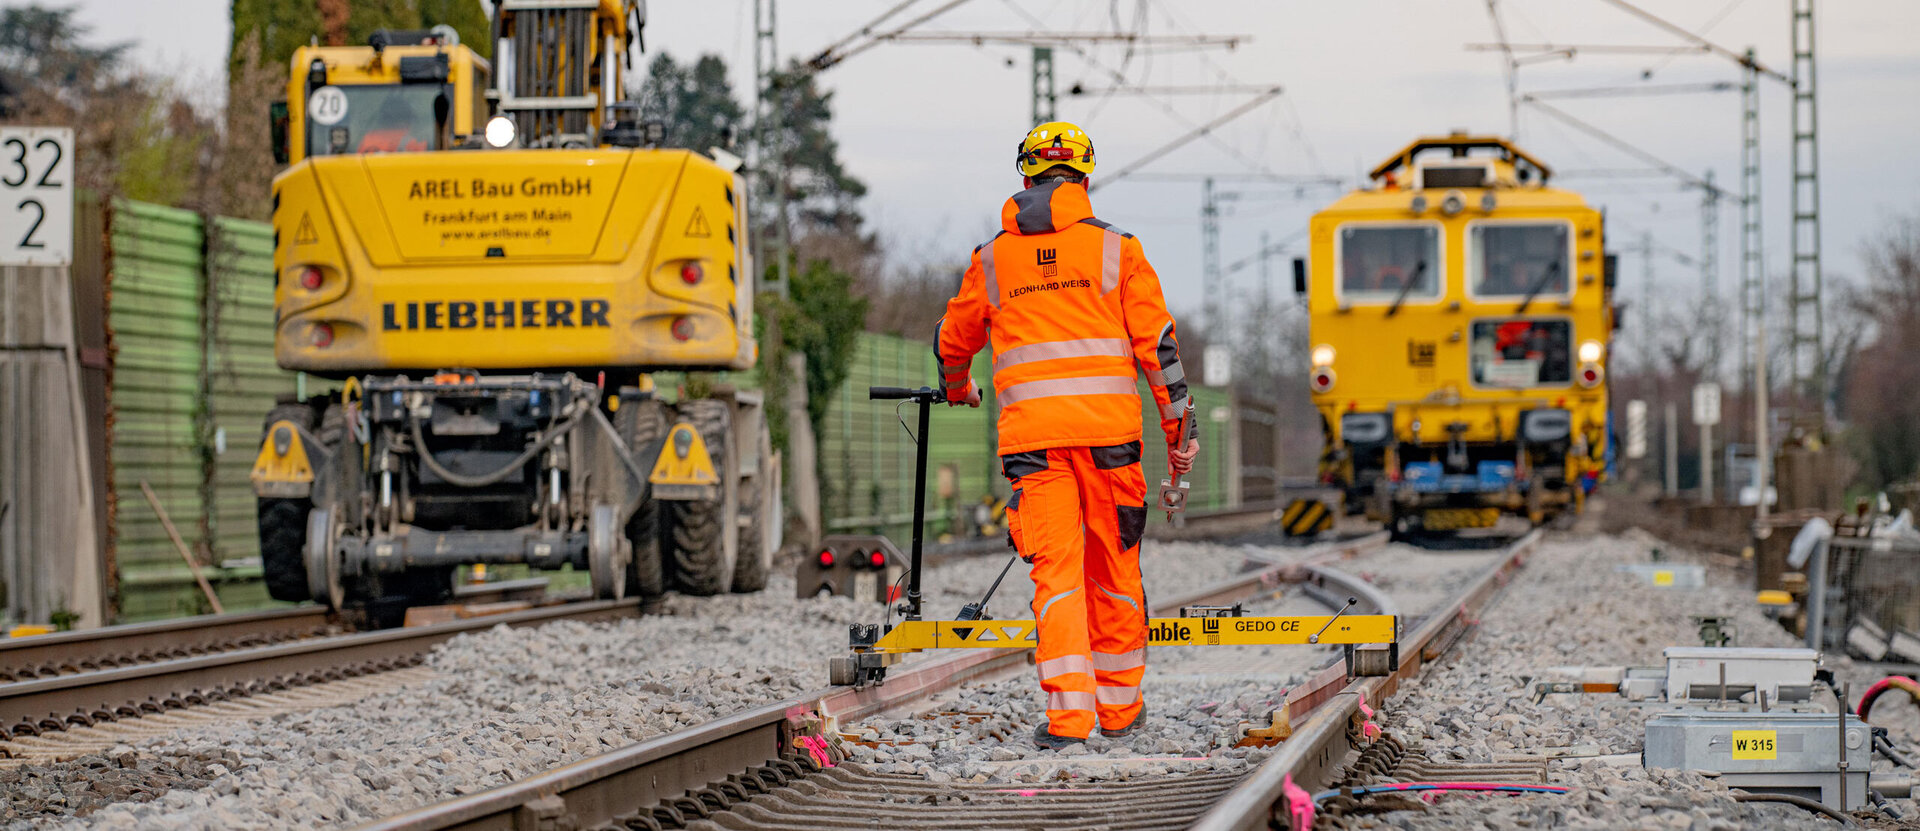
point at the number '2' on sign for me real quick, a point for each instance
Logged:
(36, 196)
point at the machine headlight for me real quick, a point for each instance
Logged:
(500, 131)
(1591, 352)
(1323, 355)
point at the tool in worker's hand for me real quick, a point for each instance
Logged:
(1173, 491)
(977, 611)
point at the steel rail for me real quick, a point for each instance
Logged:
(602, 790)
(59, 653)
(50, 704)
(1319, 745)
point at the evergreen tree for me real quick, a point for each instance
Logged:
(824, 192)
(694, 102)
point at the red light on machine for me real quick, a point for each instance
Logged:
(322, 335)
(682, 328)
(310, 278)
(692, 273)
(826, 558)
(1321, 380)
(877, 559)
(1590, 375)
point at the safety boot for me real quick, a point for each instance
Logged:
(1048, 741)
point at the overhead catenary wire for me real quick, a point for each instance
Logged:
(1633, 90)
(1510, 70)
(1188, 138)
(1698, 41)
(1626, 147)
(828, 57)
(1163, 105)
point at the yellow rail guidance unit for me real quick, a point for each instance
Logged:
(492, 259)
(1460, 315)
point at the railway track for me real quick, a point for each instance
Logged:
(765, 767)
(109, 647)
(88, 650)
(84, 709)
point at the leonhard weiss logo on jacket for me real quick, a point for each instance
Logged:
(1049, 264)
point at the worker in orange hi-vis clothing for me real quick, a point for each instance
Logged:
(1073, 308)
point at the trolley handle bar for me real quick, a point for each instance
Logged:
(924, 395)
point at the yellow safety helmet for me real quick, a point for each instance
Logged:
(1055, 143)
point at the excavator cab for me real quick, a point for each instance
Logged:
(405, 91)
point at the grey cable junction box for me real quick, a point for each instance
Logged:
(1796, 754)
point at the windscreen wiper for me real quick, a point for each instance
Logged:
(1538, 286)
(1412, 281)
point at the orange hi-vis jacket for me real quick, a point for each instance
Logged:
(1072, 308)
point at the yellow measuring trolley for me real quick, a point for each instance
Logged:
(878, 646)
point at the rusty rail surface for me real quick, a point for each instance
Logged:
(690, 771)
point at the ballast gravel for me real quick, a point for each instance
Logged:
(1570, 608)
(503, 704)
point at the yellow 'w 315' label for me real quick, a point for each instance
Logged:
(1754, 744)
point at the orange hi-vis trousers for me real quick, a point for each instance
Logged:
(1077, 515)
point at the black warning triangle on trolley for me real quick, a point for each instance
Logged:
(697, 226)
(305, 234)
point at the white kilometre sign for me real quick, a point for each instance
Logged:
(1216, 366)
(1706, 404)
(36, 196)
(1636, 429)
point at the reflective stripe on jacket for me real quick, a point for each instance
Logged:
(1073, 308)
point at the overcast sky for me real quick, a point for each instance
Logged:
(930, 128)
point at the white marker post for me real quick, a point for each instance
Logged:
(36, 196)
(1706, 413)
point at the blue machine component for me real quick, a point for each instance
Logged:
(1431, 477)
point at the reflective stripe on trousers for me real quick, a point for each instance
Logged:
(1064, 664)
(1070, 700)
(1132, 659)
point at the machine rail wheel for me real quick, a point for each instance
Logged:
(645, 422)
(607, 554)
(697, 532)
(754, 561)
(283, 522)
(324, 582)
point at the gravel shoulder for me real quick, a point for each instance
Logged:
(1570, 608)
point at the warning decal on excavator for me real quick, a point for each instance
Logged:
(697, 226)
(305, 235)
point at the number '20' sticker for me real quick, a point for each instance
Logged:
(327, 105)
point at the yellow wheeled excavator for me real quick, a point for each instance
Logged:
(492, 259)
